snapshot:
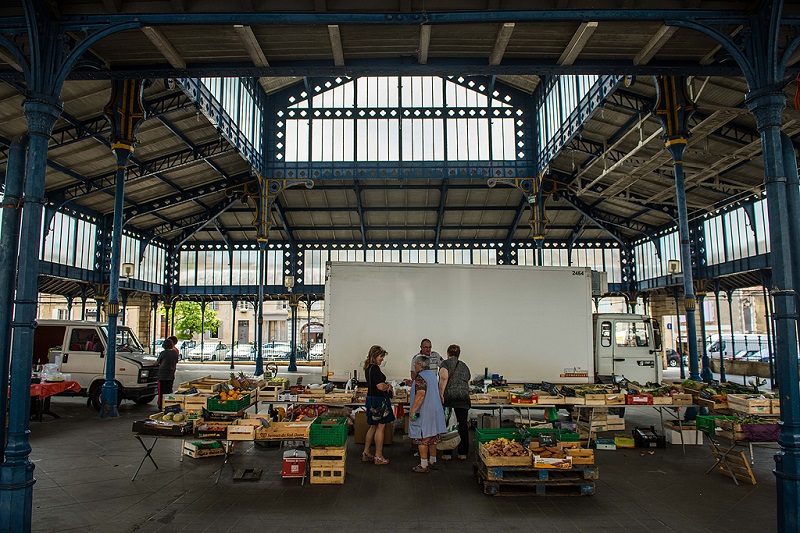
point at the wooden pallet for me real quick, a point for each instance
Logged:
(529, 473)
(536, 482)
(737, 465)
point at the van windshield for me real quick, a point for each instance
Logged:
(126, 340)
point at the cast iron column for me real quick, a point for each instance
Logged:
(125, 112)
(706, 371)
(674, 109)
(16, 474)
(9, 249)
(293, 301)
(722, 377)
(767, 107)
(233, 331)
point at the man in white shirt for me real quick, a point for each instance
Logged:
(425, 349)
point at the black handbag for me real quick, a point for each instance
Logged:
(379, 412)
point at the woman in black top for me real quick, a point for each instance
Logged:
(167, 361)
(454, 378)
(379, 407)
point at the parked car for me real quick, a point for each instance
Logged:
(673, 358)
(317, 351)
(184, 346)
(209, 351)
(277, 350)
(242, 352)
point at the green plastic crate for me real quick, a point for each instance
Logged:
(328, 431)
(229, 406)
(487, 434)
(707, 423)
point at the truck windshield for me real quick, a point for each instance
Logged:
(632, 334)
(126, 340)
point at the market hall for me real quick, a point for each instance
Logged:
(251, 146)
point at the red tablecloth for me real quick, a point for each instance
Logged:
(43, 390)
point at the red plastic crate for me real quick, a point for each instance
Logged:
(639, 399)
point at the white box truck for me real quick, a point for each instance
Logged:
(527, 324)
(79, 349)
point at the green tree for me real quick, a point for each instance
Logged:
(188, 319)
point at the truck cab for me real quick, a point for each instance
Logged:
(79, 348)
(627, 345)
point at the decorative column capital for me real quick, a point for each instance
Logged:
(767, 108)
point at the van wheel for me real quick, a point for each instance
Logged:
(673, 363)
(96, 390)
(144, 400)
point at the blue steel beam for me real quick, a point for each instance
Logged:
(147, 168)
(403, 66)
(187, 195)
(284, 222)
(521, 208)
(411, 208)
(84, 22)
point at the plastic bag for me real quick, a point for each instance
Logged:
(450, 439)
(50, 373)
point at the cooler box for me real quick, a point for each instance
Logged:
(294, 464)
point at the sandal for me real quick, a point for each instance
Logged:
(419, 469)
(381, 460)
(367, 458)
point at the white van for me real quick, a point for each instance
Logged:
(736, 346)
(79, 349)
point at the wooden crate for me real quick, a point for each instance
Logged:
(546, 399)
(488, 460)
(574, 400)
(662, 400)
(480, 399)
(324, 475)
(320, 392)
(191, 449)
(338, 397)
(682, 399)
(283, 430)
(594, 399)
(581, 456)
(742, 404)
(775, 406)
(328, 456)
(616, 398)
(241, 431)
(729, 430)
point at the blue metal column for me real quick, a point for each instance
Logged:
(789, 158)
(9, 249)
(293, 301)
(674, 109)
(722, 377)
(262, 260)
(706, 370)
(16, 474)
(125, 112)
(767, 107)
(233, 330)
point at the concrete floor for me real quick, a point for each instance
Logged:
(84, 467)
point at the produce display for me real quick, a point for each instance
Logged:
(503, 447)
(550, 452)
(232, 395)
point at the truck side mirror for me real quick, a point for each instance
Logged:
(656, 335)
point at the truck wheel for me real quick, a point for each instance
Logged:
(96, 390)
(144, 400)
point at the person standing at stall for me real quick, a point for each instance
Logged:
(379, 407)
(454, 378)
(426, 421)
(425, 349)
(167, 362)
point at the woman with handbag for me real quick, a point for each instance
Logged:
(454, 378)
(379, 407)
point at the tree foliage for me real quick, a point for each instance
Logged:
(188, 319)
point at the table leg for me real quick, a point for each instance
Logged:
(225, 460)
(45, 409)
(147, 454)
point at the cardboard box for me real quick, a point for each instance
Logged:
(202, 449)
(241, 431)
(361, 427)
(605, 444)
(564, 463)
(691, 436)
